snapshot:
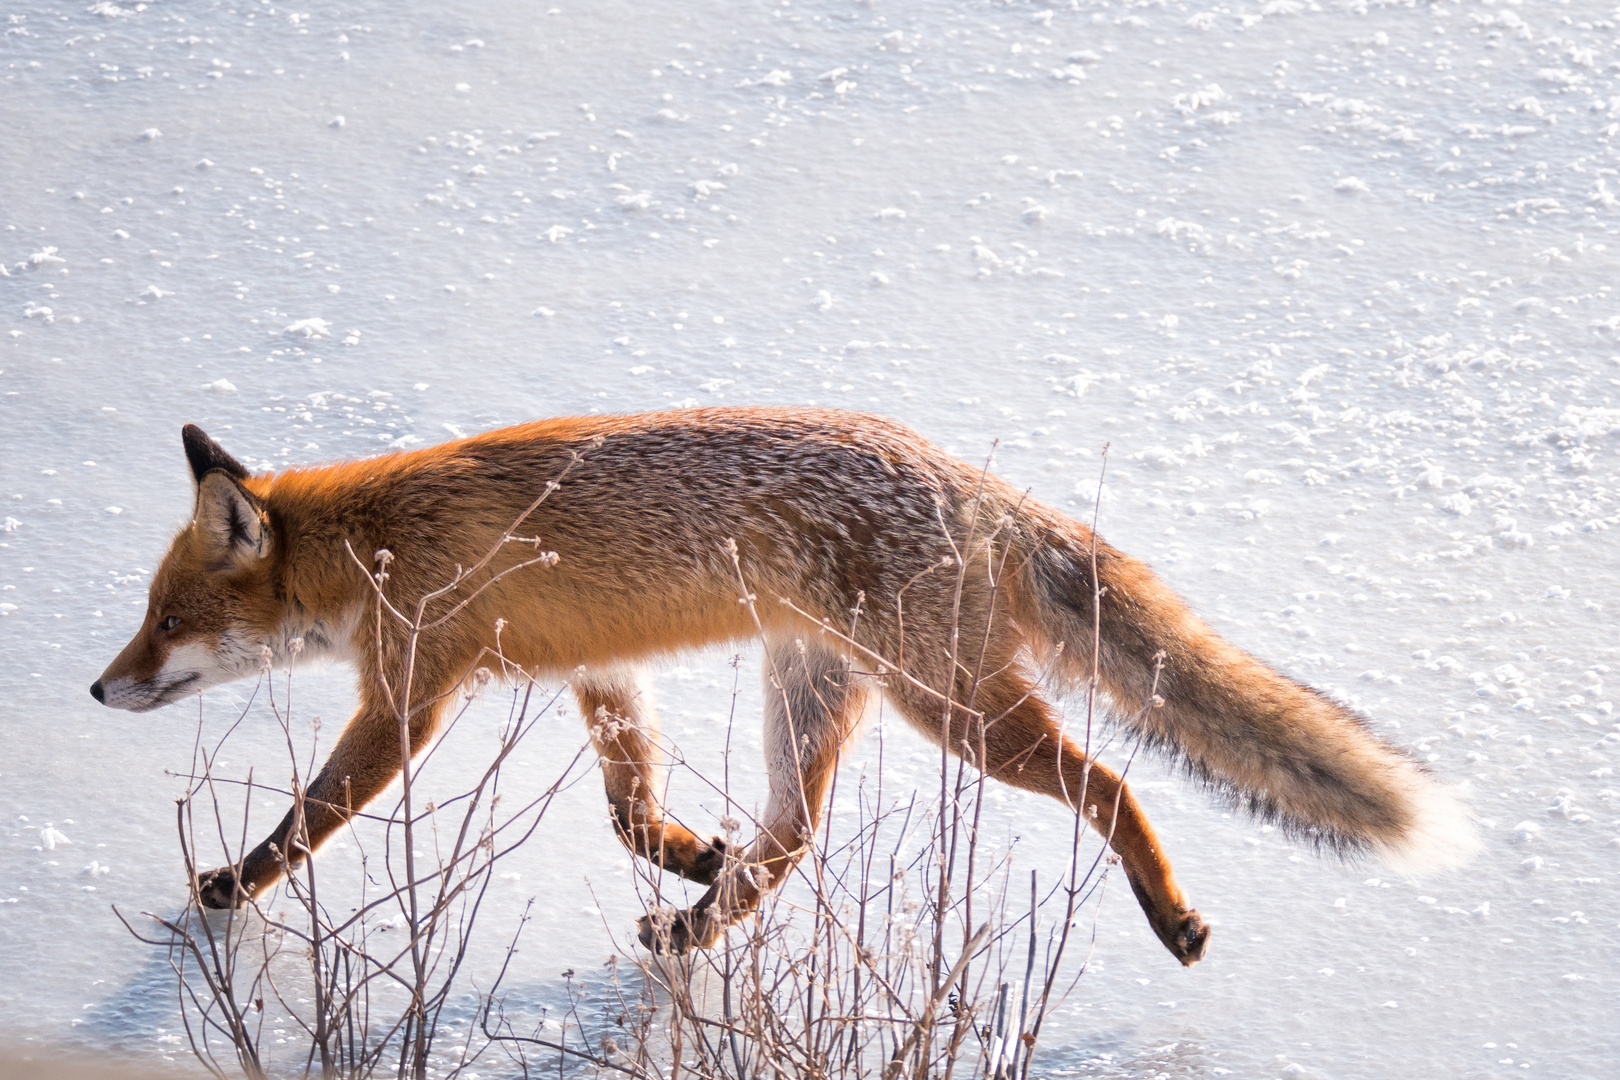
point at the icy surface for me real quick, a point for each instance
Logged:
(1335, 282)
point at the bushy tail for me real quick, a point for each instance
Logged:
(1282, 749)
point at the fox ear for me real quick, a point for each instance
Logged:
(205, 455)
(231, 521)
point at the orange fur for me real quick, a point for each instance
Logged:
(831, 513)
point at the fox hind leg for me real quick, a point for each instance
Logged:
(1021, 744)
(813, 704)
(618, 710)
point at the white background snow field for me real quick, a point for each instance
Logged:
(1336, 283)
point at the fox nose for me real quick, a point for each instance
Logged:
(97, 693)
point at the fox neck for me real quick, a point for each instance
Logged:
(320, 594)
(306, 636)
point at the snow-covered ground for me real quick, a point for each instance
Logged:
(1336, 284)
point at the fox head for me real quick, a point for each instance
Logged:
(210, 610)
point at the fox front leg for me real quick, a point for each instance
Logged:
(234, 886)
(364, 762)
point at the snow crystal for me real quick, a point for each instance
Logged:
(308, 328)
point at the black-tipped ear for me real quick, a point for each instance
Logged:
(205, 454)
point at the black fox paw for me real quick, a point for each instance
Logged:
(676, 933)
(705, 869)
(218, 889)
(1188, 941)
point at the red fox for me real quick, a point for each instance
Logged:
(865, 545)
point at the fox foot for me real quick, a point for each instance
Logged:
(705, 869)
(1180, 928)
(219, 889)
(1186, 939)
(676, 933)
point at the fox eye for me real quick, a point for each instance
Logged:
(170, 623)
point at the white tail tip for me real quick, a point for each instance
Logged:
(1442, 835)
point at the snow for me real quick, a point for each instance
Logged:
(1335, 283)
